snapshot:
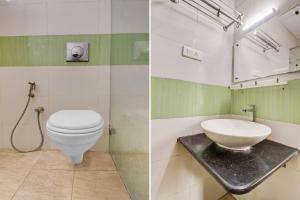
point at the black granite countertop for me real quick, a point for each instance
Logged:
(238, 172)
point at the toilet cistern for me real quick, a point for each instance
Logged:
(251, 112)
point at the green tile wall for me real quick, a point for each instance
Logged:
(50, 50)
(175, 98)
(280, 103)
(122, 46)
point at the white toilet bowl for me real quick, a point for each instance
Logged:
(75, 131)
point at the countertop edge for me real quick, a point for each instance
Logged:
(229, 187)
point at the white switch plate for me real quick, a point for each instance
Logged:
(192, 53)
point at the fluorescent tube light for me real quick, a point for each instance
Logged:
(259, 18)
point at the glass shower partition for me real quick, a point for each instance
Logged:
(129, 102)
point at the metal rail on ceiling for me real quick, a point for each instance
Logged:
(216, 10)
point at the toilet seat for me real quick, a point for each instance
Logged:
(70, 131)
(75, 120)
(54, 133)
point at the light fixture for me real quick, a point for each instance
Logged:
(261, 17)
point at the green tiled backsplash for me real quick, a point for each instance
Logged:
(50, 50)
(279, 103)
(175, 98)
(122, 48)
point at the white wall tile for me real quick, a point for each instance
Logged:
(165, 132)
(82, 88)
(57, 88)
(14, 92)
(170, 159)
(23, 18)
(104, 16)
(130, 16)
(174, 26)
(26, 136)
(176, 176)
(55, 17)
(157, 173)
(180, 195)
(103, 143)
(72, 17)
(207, 189)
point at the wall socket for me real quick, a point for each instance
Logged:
(192, 53)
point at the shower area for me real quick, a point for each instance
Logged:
(36, 80)
(129, 102)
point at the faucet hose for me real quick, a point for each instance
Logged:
(38, 110)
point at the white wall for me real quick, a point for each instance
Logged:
(172, 27)
(58, 87)
(54, 17)
(175, 174)
(130, 16)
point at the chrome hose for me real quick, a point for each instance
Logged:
(38, 110)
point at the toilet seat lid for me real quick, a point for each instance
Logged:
(75, 119)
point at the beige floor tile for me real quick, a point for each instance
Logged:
(10, 181)
(46, 185)
(98, 185)
(10, 159)
(96, 161)
(92, 161)
(53, 160)
(49, 175)
(227, 197)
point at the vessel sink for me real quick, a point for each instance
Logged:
(238, 135)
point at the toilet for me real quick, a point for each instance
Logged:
(75, 131)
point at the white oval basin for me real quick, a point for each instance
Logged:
(235, 134)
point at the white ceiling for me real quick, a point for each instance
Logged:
(239, 2)
(292, 21)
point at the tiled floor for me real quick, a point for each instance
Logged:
(49, 175)
(227, 197)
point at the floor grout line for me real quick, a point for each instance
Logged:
(34, 166)
(73, 185)
(30, 170)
